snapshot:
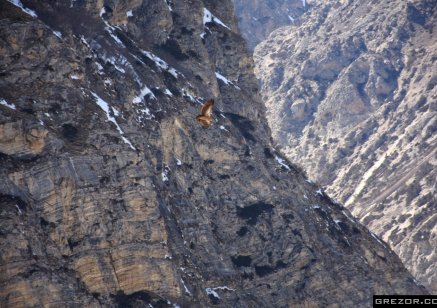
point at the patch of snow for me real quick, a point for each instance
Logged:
(223, 128)
(9, 105)
(83, 40)
(291, 18)
(47, 114)
(74, 77)
(186, 289)
(186, 92)
(212, 292)
(113, 61)
(282, 162)
(129, 13)
(160, 63)
(178, 162)
(169, 7)
(222, 78)
(304, 3)
(99, 68)
(18, 209)
(202, 35)
(305, 196)
(143, 93)
(110, 29)
(105, 107)
(376, 238)
(348, 217)
(58, 34)
(225, 288)
(169, 257)
(115, 111)
(274, 187)
(209, 17)
(18, 3)
(167, 92)
(225, 80)
(164, 176)
(107, 82)
(309, 181)
(320, 192)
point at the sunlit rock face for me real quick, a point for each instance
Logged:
(351, 97)
(112, 194)
(258, 18)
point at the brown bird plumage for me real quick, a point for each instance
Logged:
(205, 116)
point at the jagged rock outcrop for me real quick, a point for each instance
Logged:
(112, 194)
(258, 18)
(351, 96)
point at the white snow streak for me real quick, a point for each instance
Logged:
(282, 162)
(24, 9)
(143, 93)
(105, 107)
(58, 34)
(186, 289)
(160, 63)
(210, 291)
(225, 80)
(129, 13)
(169, 7)
(9, 105)
(209, 17)
(110, 29)
(167, 92)
(164, 176)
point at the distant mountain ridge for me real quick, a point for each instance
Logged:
(351, 96)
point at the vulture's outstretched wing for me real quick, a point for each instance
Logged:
(206, 109)
(205, 116)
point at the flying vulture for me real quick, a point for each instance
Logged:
(205, 116)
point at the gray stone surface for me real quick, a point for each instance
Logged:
(258, 18)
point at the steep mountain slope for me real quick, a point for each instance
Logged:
(258, 18)
(351, 96)
(111, 194)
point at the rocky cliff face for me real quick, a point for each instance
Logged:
(351, 96)
(258, 18)
(111, 194)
